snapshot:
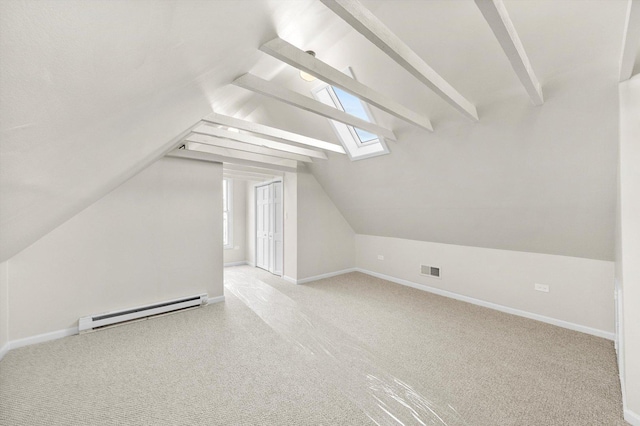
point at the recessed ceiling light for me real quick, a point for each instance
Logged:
(306, 76)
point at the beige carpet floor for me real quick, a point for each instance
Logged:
(352, 349)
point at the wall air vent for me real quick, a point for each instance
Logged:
(430, 271)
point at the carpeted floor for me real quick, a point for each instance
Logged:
(352, 349)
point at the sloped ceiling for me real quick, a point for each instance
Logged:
(537, 179)
(92, 92)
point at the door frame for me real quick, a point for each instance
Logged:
(255, 219)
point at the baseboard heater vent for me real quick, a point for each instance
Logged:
(99, 321)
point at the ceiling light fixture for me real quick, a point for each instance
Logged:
(306, 76)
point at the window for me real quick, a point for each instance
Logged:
(227, 213)
(358, 143)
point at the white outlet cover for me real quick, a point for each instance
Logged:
(541, 287)
(380, 257)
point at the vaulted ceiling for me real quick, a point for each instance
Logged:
(93, 92)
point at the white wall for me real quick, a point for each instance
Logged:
(528, 178)
(238, 251)
(290, 191)
(628, 253)
(4, 305)
(157, 236)
(325, 239)
(581, 290)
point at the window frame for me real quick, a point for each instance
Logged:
(227, 208)
(361, 150)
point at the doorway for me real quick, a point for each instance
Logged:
(269, 232)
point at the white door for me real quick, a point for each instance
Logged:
(262, 227)
(269, 227)
(276, 233)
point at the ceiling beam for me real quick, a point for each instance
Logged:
(215, 158)
(496, 15)
(253, 140)
(367, 24)
(631, 42)
(250, 169)
(223, 155)
(267, 88)
(274, 132)
(247, 176)
(301, 60)
(241, 155)
(241, 146)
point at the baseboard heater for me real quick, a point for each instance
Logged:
(99, 321)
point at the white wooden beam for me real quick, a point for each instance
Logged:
(274, 132)
(221, 155)
(246, 176)
(196, 155)
(253, 140)
(631, 42)
(496, 15)
(297, 58)
(267, 88)
(241, 146)
(367, 24)
(241, 155)
(255, 176)
(251, 169)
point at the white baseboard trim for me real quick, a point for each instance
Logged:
(253, 265)
(4, 350)
(289, 279)
(240, 263)
(54, 335)
(501, 308)
(631, 418)
(216, 299)
(327, 275)
(41, 338)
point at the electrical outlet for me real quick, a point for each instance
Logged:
(541, 287)
(380, 257)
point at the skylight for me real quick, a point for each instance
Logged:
(358, 143)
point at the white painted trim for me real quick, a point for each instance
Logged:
(239, 263)
(4, 350)
(501, 308)
(631, 417)
(496, 15)
(228, 143)
(229, 158)
(327, 275)
(241, 155)
(267, 88)
(54, 335)
(356, 150)
(631, 40)
(209, 130)
(289, 279)
(271, 131)
(41, 338)
(230, 209)
(374, 30)
(299, 59)
(216, 299)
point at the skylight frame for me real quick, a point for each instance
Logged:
(361, 150)
(352, 129)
